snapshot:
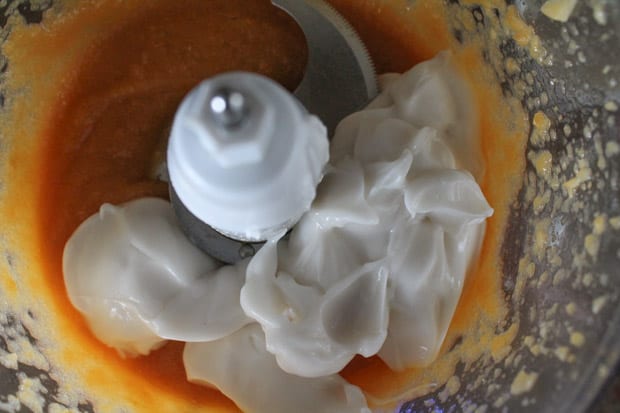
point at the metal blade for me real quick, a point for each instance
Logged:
(340, 77)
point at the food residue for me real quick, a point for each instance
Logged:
(559, 10)
(523, 382)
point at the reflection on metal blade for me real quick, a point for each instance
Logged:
(340, 77)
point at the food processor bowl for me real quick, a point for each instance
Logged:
(561, 249)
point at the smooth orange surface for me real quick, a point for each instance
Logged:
(117, 98)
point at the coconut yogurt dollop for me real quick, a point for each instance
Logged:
(376, 267)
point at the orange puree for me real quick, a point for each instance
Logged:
(121, 69)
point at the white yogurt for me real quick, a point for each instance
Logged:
(241, 368)
(378, 264)
(138, 280)
(375, 267)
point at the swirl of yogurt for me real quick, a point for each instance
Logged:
(377, 265)
(138, 280)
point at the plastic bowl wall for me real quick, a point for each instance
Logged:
(579, 92)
